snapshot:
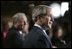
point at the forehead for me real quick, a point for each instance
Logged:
(21, 18)
(49, 15)
(48, 12)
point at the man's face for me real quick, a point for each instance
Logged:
(50, 21)
(21, 23)
(47, 21)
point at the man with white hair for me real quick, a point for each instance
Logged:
(14, 38)
(37, 37)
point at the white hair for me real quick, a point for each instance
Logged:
(17, 15)
(40, 9)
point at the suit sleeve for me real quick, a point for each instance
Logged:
(18, 40)
(14, 40)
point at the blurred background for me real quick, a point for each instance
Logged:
(61, 11)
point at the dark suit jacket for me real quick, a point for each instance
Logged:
(36, 39)
(14, 39)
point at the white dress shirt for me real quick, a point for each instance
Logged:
(43, 31)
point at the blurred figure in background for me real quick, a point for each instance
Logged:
(5, 28)
(67, 26)
(67, 37)
(6, 23)
(57, 39)
(14, 37)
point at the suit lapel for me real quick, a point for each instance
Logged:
(42, 32)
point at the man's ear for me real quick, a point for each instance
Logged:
(38, 18)
(41, 19)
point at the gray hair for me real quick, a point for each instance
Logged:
(17, 15)
(40, 9)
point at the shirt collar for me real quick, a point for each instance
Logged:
(37, 25)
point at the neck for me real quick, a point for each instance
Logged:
(38, 23)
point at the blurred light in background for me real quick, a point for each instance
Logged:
(64, 7)
(59, 10)
(55, 10)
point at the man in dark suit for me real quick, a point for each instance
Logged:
(37, 38)
(14, 37)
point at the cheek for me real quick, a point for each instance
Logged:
(20, 24)
(45, 21)
(42, 20)
(48, 19)
(50, 23)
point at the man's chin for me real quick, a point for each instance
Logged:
(19, 28)
(50, 26)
